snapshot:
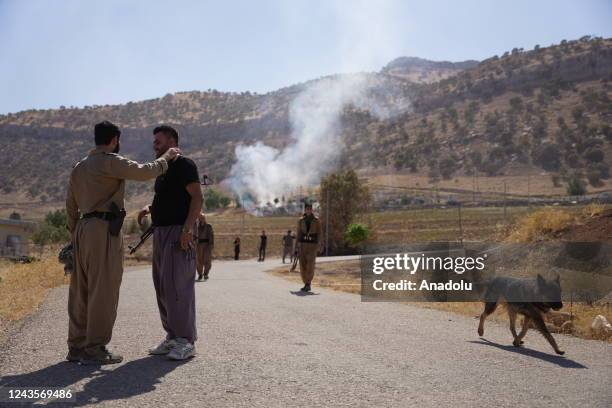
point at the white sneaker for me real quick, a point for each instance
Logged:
(182, 350)
(163, 348)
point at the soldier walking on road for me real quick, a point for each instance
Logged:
(308, 235)
(206, 243)
(288, 246)
(263, 242)
(95, 209)
(176, 206)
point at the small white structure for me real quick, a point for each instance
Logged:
(14, 235)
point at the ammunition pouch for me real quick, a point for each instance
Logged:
(309, 238)
(116, 222)
(114, 217)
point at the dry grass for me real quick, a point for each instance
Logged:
(24, 286)
(345, 276)
(540, 224)
(545, 223)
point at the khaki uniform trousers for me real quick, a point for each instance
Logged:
(94, 285)
(308, 256)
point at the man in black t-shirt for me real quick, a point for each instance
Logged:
(176, 206)
(263, 242)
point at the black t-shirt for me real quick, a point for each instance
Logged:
(263, 241)
(171, 201)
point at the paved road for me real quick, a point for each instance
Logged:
(262, 345)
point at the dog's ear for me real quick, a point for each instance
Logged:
(541, 281)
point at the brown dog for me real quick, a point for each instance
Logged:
(531, 298)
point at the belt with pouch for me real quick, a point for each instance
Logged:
(106, 216)
(310, 238)
(114, 217)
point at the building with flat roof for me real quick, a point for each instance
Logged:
(14, 237)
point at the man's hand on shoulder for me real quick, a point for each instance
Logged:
(171, 154)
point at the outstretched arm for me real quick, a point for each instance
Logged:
(127, 169)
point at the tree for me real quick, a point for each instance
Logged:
(57, 218)
(549, 157)
(348, 197)
(214, 199)
(594, 177)
(575, 186)
(594, 155)
(53, 229)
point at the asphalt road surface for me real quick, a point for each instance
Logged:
(261, 344)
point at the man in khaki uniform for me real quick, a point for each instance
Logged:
(206, 244)
(96, 188)
(288, 246)
(308, 236)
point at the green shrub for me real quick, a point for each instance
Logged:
(575, 186)
(356, 234)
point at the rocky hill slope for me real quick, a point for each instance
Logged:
(548, 108)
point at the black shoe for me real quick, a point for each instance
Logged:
(199, 278)
(101, 356)
(205, 277)
(75, 354)
(306, 288)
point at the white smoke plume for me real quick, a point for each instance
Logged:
(264, 173)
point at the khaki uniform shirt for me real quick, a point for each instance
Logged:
(99, 179)
(288, 241)
(314, 232)
(205, 231)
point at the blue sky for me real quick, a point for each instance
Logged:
(80, 53)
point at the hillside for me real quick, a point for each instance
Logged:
(421, 70)
(546, 109)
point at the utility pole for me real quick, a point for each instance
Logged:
(474, 187)
(327, 210)
(505, 215)
(460, 225)
(529, 189)
(242, 217)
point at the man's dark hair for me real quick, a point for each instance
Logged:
(168, 130)
(104, 133)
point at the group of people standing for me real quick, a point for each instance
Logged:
(183, 242)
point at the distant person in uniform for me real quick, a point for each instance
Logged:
(94, 206)
(308, 236)
(176, 206)
(206, 243)
(288, 246)
(263, 242)
(237, 248)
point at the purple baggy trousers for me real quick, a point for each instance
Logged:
(174, 279)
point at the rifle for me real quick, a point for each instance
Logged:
(145, 235)
(296, 255)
